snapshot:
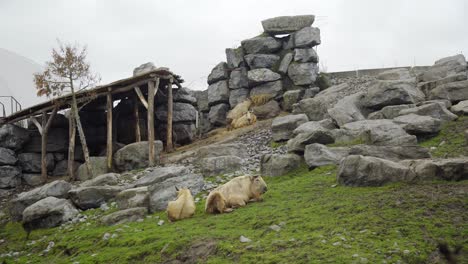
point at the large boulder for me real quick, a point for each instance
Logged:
(238, 96)
(124, 216)
(262, 75)
(261, 44)
(182, 133)
(155, 175)
(454, 92)
(311, 126)
(284, 64)
(93, 196)
(287, 24)
(298, 143)
(220, 165)
(238, 79)
(461, 108)
(305, 38)
(48, 212)
(268, 110)
(317, 155)
(98, 166)
(444, 67)
(218, 73)
(109, 179)
(435, 110)
(395, 74)
(144, 68)
(427, 87)
(277, 164)
(182, 112)
(303, 73)
(134, 197)
(394, 153)
(389, 112)
(282, 127)
(235, 57)
(216, 150)
(7, 157)
(184, 95)
(290, 98)
(454, 169)
(348, 109)
(163, 192)
(306, 55)
(273, 89)
(10, 177)
(33, 179)
(135, 156)
(384, 93)
(57, 189)
(202, 100)
(61, 168)
(31, 162)
(419, 125)
(381, 132)
(256, 61)
(13, 137)
(357, 170)
(217, 114)
(218, 93)
(57, 140)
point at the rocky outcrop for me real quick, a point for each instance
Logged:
(287, 24)
(461, 108)
(7, 157)
(216, 150)
(268, 110)
(454, 169)
(419, 125)
(10, 177)
(277, 165)
(298, 143)
(135, 156)
(31, 162)
(98, 166)
(217, 114)
(454, 92)
(48, 212)
(261, 44)
(220, 165)
(218, 73)
(393, 153)
(93, 196)
(124, 216)
(13, 137)
(434, 110)
(133, 197)
(381, 132)
(283, 127)
(109, 179)
(316, 155)
(384, 93)
(155, 175)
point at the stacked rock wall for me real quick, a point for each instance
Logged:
(279, 60)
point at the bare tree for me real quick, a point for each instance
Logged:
(68, 72)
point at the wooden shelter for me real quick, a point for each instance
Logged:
(141, 88)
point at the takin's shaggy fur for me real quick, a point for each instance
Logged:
(239, 110)
(246, 120)
(235, 193)
(183, 207)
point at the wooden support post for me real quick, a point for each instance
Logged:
(46, 123)
(151, 89)
(169, 146)
(142, 98)
(109, 131)
(71, 146)
(136, 114)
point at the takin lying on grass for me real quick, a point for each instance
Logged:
(183, 207)
(235, 193)
(247, 119)
(237, 112)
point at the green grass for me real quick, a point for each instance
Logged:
(450, 142)
(396, 222)
(276, 145)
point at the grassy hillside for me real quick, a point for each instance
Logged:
(321, 223)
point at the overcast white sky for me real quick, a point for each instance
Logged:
(190, 36)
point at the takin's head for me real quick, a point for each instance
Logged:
(258, 185)
(183, 191)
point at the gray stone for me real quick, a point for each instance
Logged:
(290, 98)
(218, 73)
(31, 162)
(282, 127)
(298, 143)
(427, 87)
(306, 55)
(348, 109)
(303, 73)
(144, 68)
(311, 92)
(268, 110)
(7, 157)
(124, 216)
(312, 126)
(454, 92)
(389, 112)
(287, 24)
(134, 156)
(317, 155)
(220, 165)
(261, 45)
(57, 140)
(48, 212)
(218, 93)
(384, 93)
(57, 189)
(435, 110)
(305, 38)
(163, 192)
(461, 108)
(277, 164)
(419, 125)
(217, 114)
(235, 57)
(357, 170)
(394, 153)
(256, 61)
(273, 89)
(454, 169)
(182, 133)
(216, 150)
(10, 177)
(61, 168)
(238, 79)
(33, 179)
(109, 179)
(134, 197)
(262, 75)
(284, 64)
(237, 96)
(98, 165)
(444, 68)
(156, 175)
(184, 95)
(93, 196)
(395, 74)
(381, 132)
(13, 137)
(182, 112)
(204, 125)
(202, 100)
(314, 108)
